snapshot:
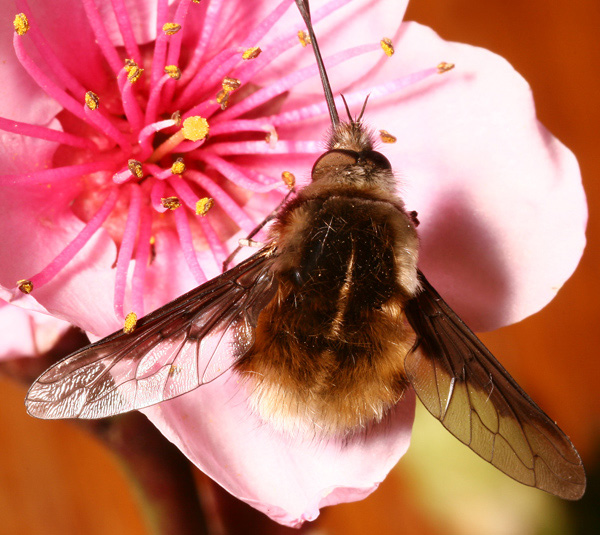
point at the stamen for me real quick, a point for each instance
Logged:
(124, 23)
(173, 71)
(387, 46)
(230, 207)
(178, 166)
(126, 249)
(251, 53)
(25, 286)
(187, 246)
(444, 67)
(170, 203)
(56, 174)
(21, 24)
(211, 18)
(160, 45)
(136, 168)
(260, 147)
(242, 125)
(304, 38)
(67, 254)
(231, 84)
(157, 193)
(42, 132)
(232, 172)
(204, 205)
(288, 179)
(102, 38)
(386, 137)
(154, 99)
(287, 82)
(142, 254)
(91, 100)
(134, 73)
(171, 28)
(130, 323)
(45, 50)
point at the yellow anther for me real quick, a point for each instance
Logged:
(21, 24)
(288, 179)
(388, 46)
(26, 286)
(195, 128)
(304, 38)
(130, 64)
(91, 100)
(134, 73)
(130, 323)
(136, 168)
(386, 137)
(170, 203)
(204, 205)
(251, 53)
(230, 84)
(171, 28)
(223, 98)
(173, 71)
(178, 166)
(444, 67)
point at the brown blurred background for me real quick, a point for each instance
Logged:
(57, 479)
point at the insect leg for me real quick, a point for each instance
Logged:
(248, 240)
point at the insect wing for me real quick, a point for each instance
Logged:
(186, 343)
(461, 383)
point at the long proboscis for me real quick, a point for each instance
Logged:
(304, 9)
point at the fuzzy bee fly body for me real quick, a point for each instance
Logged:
(329, 324)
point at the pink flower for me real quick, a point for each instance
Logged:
(25, 333)
(500, 201)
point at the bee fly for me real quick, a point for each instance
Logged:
(331, 322)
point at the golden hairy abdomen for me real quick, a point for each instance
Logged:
(329, 348)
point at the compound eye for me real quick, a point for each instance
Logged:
(376, 159)
(335, 158)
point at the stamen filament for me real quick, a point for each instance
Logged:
(124, 23)
(126, 249)
(142, 253)
(101, 34)
(154, 99)
(48, 55)
(159, 59)
(222, 198)
(291, 80)
(131, 106)
(232, 173)
(42, 132)
(211, 17)
(56, 174)
(187, 246)
(157, 193)
(261, 147)
(67, 254)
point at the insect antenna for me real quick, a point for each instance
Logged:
(304, 9)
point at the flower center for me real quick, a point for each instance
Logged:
(164, 145)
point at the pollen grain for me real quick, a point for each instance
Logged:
(25, 285)
(204, 205)
(388, 46)
(130, 323)
(21, 24)
(91, 100)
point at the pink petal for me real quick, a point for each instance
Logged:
(27, 334)
(142, 16)
(287, 478)
(500, 200)
(79, 294)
